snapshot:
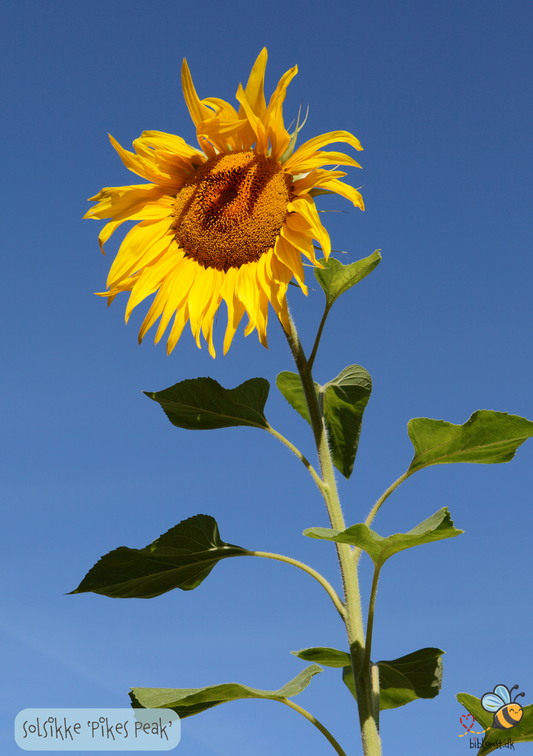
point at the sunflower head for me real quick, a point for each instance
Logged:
(229, 220)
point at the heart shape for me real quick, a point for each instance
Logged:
(464, 718)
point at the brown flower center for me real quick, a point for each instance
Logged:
(231, 211)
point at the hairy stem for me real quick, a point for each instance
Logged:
(354, 619)
(339, 606)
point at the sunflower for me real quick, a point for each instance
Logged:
(229, 221)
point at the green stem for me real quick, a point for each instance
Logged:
(354, 617)
(375, 509)
(311, 359)
(326, 733)
(370, 621)
(316, 477)
(339, 606)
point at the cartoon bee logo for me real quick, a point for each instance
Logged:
(507, 713)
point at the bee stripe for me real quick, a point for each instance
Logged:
(504, 719)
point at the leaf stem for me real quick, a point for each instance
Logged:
(339, 606)
(326, 733)
(316, 477)
(356, 554)
(370, 620)
(311, 359)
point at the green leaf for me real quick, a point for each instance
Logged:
(203, 404)
(181, 558)
(344, 400)
(328, 657)
(189, 701)
(435, 528)
(494, 738)
(487, 437)
(417, 675)
(336, 278)
(290, 386)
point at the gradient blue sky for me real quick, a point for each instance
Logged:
(439, 94)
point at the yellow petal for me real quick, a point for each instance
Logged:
(282, 275)
(309, 148)
(314, 179)
(277, 133)
(235, 307)
(345, 190)
(290, 257)
(302, 242)
(180, 282)
(106, 232)
(261, 139)
(181, 318)
(160, 140)
(198, 111)
(222, 109)
(307, 209)
(200, 298)
(168, 304)
(207, 324)
(168, 299)
(297, 223)
(142, 243)
(323, 158)
(167, 262)
(254, 91)
(141, 166)
(126, 202)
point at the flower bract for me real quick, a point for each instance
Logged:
(228, 221)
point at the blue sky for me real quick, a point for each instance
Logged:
(439, 95)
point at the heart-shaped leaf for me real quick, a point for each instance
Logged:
(290, 386)
(203, 404)
(181, 558)
(417, 675)
(188, 701)
(336, 278)
(435, 528)
(496, 738)
(344, 400)
(328, 657)
(488, 437)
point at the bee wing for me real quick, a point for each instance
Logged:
(492, 702)
(503, 692)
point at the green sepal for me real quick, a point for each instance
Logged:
(336, 278)
(417, 675)
(294, 136)
(495, 738)
(203, 404)
(328, 657)
(435, 528)
(343, 400)
(181, 558)
(488, 437)
(189, 701)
